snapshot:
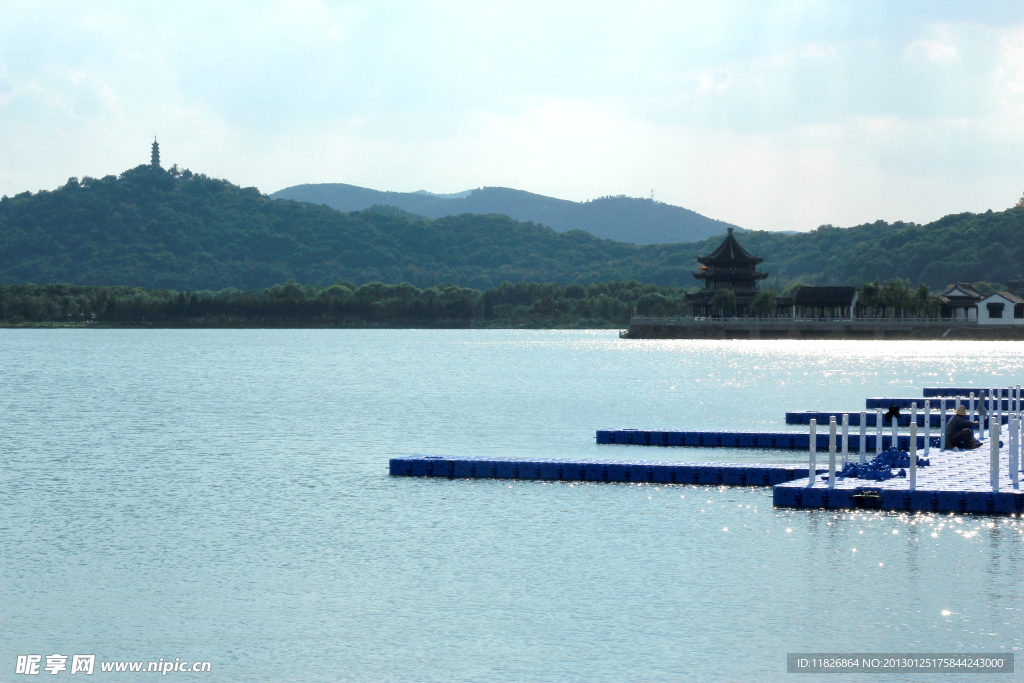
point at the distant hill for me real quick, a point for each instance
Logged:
(623, 219)
(151, 228)
(154, 228)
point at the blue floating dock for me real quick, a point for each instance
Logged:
(775, 440)
(804, 417)
(928, 392)
(956, 481)
(657, 472)
(904, 403)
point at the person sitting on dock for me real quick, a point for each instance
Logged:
(893, 414)
(960, 431)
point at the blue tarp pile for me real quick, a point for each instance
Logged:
(880, 467)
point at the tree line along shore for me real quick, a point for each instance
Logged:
(509, 305)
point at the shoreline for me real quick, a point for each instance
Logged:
(632, 333)
(865, 329)
(237, 326)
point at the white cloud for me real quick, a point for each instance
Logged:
(110, 99)
(1009, 76)
(935, 51)
(939, 48)
(708, 83)
(779, 115)
(818, 51)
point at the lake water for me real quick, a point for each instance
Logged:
(222, 495)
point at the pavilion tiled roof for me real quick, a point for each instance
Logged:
(730, 253)
(969, 293)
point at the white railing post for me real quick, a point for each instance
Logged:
(895, 442)
(1014, 426)
(846, 438)
(942, 425)
(912, 451)
(1016, 401)
(812, 467)
(863, 436)
(927, 427)
(913, 412)
(878, 430)
(999, 407)
(993, 435)
(991, 405)
(958, 404)
(832, 452)
(974, 417)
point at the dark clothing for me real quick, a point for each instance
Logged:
(964, 439)
(957, 423)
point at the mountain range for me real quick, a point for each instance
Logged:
(620, 218)
(162, 229)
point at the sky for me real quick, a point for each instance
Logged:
(769, 115)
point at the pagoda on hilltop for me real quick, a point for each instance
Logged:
(156, 154)
(728, 267)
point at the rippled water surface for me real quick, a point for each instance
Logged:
(223, 496)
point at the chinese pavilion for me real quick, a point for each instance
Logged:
(728, 267)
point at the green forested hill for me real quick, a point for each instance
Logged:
(161, 229)
(152, 228)
(957, 248)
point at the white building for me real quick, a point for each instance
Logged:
(1001, 308)
(960, 302)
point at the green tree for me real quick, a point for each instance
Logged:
(792, 288)
(488, 311)
(653, 304)
(724, 301)
(763, 304)
(870, 296)
(925, 305)
(897, 295)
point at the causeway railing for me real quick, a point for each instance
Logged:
(786, 320)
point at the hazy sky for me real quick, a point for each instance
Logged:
(778, 116)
